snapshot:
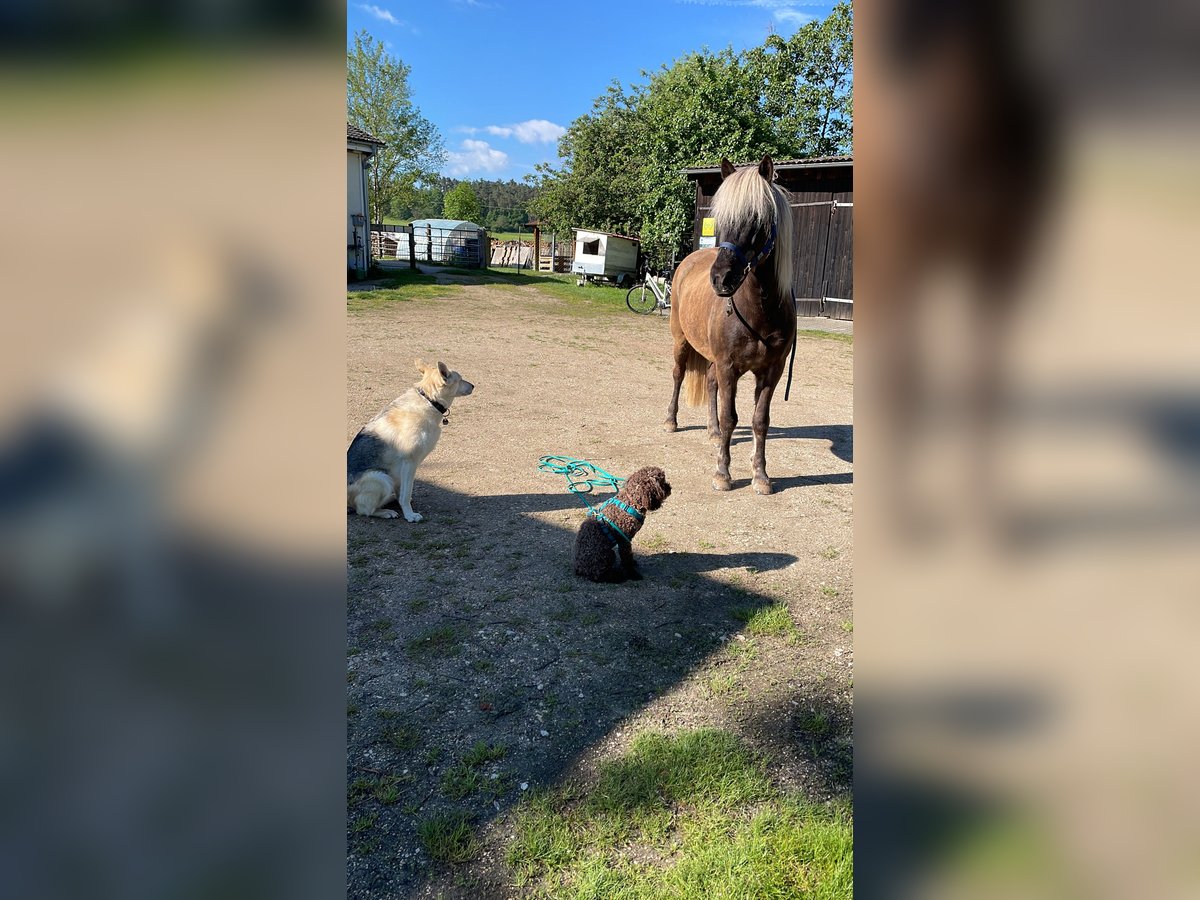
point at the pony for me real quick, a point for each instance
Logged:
(732, 312)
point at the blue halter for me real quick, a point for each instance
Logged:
(756, 258)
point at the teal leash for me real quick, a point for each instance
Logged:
(582, 477)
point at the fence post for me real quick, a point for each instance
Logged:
(412, 248)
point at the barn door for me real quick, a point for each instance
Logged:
(839, 259)
(810, 223)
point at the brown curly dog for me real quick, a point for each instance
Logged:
(602, 546)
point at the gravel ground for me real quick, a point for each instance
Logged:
(469, 627)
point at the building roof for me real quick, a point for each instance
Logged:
(354, 133)
(445, 224)
(811, 162)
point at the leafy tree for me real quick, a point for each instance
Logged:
(807, 80)
(461, 203)
(379, 100)
(620, 164)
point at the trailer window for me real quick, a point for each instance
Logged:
(592, 248)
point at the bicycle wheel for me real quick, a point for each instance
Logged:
(641, 299)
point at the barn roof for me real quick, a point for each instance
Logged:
(811, 162)
(354, 133)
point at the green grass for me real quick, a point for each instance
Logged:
(461, 781)
(403, 738)
(774, 619)
(689, 816)
(830, 335)
(449, 838)
(401, 286)
(464, 778)
(441, 641)
(655, 542)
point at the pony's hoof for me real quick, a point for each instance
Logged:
(670, 427)
(722, 483)
(762, 486)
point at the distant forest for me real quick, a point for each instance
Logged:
(504, 203)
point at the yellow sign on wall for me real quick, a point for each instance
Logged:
(706, 227)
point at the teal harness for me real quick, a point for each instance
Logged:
(582, 476)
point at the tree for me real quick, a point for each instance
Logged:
(807, 80)
(379, 101)
(461, 203)
(621, 164)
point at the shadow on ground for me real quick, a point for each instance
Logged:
(840, 437)
(469, 628)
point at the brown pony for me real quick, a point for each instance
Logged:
(732, 311)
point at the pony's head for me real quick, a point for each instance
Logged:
(754, 224)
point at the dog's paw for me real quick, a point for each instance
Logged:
(413, 517)
(385, 514)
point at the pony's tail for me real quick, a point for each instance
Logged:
(695, 379)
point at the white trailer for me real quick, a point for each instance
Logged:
(599, 254)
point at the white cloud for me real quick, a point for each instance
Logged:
(475, 156)
(531, 131)
(793, 16)
(382, 14)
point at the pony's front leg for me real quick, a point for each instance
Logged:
(727, 391)
(764, 390)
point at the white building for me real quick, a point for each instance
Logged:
(360, 147)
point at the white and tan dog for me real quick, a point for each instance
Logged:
(384, 455)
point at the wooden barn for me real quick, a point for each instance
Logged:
(822, 198)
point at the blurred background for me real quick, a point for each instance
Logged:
(1028, 417)
(171, 539)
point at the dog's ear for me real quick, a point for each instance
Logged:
(442, 368)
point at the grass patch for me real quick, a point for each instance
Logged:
(449, 838)
(655, 542)
(588, 300)
(687, 816)
(830, 553)
(722, 683)
(828, 335)
(403, 738)
(461, 781)
(774, 619)
(464, 778)
(398, 286)
(483, 752)
(441, 641)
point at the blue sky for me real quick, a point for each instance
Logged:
(502, 79)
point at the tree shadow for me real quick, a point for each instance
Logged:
(470, 627)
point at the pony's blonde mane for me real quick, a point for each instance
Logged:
(746, 198)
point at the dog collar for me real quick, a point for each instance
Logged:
(442, 409)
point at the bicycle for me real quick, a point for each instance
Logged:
(646, 296)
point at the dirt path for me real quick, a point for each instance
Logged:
(469, 627)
